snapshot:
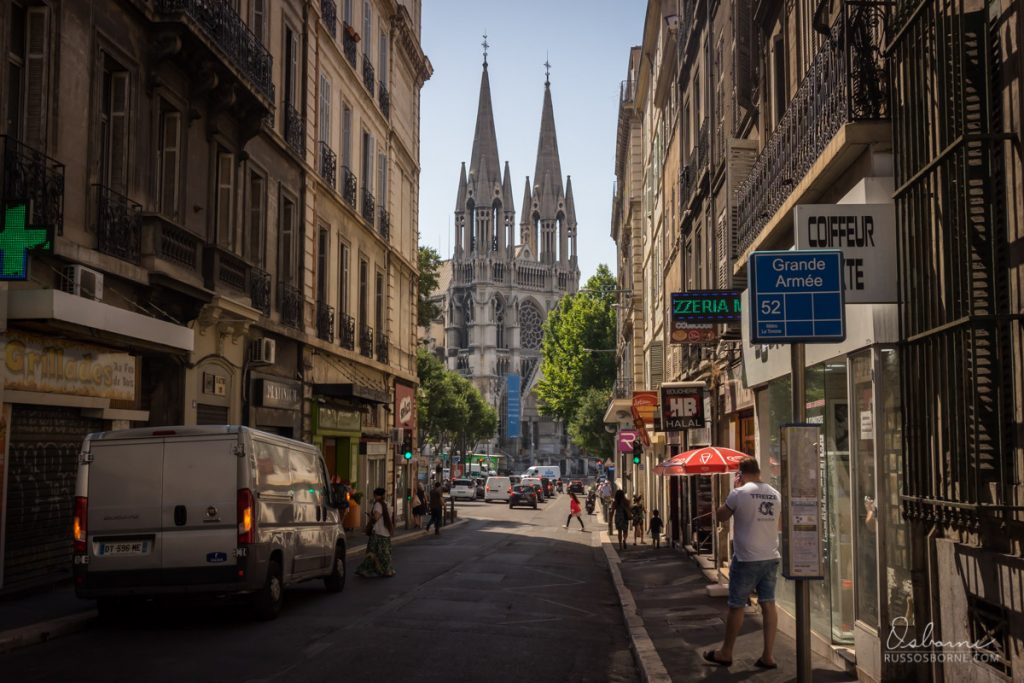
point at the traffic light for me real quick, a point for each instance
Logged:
(637, 451)
(407, 448)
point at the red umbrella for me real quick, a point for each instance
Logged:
(706, 460)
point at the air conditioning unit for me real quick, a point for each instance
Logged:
(84, 282)
(263, 351)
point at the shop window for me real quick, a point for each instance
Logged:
(865, 510)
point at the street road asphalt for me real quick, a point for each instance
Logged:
(510, 596)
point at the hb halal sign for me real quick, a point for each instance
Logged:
(682, 406)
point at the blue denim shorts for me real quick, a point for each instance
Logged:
(745, 577)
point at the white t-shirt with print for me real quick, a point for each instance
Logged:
(756, 508)
(379, 527)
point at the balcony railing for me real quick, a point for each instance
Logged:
(623, 388)
(289, 302)
(329, 12)
(347, 332)
(172, 243)
(384, 226)
(328, 164)
(222, 268)
(118, 225)
(324, 321)
(385, 100)
(225, 30)
(383, 344)
(366, 340)
(259, 289)
(369, 76)
(845, 83)
(626, 91)
(368, 205)
(35, 180)
(349, 186)
(349, 38)
(294, 129)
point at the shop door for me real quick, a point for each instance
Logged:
(745, 437)
(45, 442)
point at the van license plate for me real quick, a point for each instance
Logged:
(125, 548)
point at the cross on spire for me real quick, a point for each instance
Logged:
(547, 69)
(485, 45)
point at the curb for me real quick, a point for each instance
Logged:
(652, 670)
(397, 540)
(34, 634)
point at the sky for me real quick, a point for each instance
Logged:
(587, 43)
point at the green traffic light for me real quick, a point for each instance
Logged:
(408, 455)
(636, 459)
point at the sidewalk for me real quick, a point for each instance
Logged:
(672, 621)
(39, 615)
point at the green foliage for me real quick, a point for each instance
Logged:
(576, 356)
(429, 265)
(450, 410)
(587, 426)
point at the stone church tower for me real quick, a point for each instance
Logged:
(501, 288)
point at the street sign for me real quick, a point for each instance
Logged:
(682, 406)
(645, 404)
(796, 296)
(802, 551)
(514, 407)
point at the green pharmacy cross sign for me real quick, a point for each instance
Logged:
(17, 240)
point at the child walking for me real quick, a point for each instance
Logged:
(574, 511)
(656, 526)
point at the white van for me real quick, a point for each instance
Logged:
(497, 488)
(552, 472)
(203, 510)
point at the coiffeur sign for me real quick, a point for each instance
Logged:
(645, 404)
(33, 363)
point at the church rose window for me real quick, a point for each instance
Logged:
(529, 326)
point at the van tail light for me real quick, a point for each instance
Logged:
(81, 523)
(487, 488)
(246, 503)
(510, 490)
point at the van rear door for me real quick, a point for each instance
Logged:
(125, 496)
(200, 495)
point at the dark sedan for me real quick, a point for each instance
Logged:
(576, 486)
(523, 495)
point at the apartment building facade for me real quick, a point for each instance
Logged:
(165, 150)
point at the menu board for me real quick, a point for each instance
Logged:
(802, 530)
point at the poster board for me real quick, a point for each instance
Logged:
(802, 525)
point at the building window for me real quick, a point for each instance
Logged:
(259, 20)
(114, 126)
(347, 16)
(368, 151)
(530, 326)
(169, 170)
(346, 136)
(225, 199)
(255, 249)
(28, 74)
(378, 312)
(367, 24)
(291, 61)
(382, 65)
(323, 250)
(382, 179)
(325, 109)
(364, 291)
(343, 277)
(288, 248)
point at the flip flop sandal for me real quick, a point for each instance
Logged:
(764, 665)
(709, 656)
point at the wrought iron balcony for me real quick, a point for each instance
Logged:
(223, 30)
(349, 38)
(384, 226)
(259, 289)
(118, 225)
(383, 344)
(329, 12)
(368, 205)
(369, 77)
(347, 332)
(623, 388)
(35, 180)
(366, 340)
(294, 130)
(324, 321)
(328, 164)
(289, 302)
(349, 186)
(385, 100)
(845, 83)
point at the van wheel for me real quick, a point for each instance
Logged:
(268, 601)
(335, 581)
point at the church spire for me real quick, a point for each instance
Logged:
(484, 164)
(548, 174)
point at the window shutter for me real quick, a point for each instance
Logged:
(37, 76)
(656, 363)
(225, 199)
(382, 66)
(257, 208)
(382, 179)
(325, 110)
(119, 131)
(169, 164)
(259, 18)
(346, 137)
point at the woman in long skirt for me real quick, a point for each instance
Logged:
(378, 549)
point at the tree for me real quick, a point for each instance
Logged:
(429, 265)
(578, 347)
(586, 429)
(450, 410)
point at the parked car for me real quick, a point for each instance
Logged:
(497, 488)
(463, 489)
(523, 494)
(538, 487)
(576, 486)
(211, 510)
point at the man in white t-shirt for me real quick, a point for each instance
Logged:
(756, 509)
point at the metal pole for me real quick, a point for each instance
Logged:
(803, 588)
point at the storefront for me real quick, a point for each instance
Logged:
(275, 405)
(337, 431)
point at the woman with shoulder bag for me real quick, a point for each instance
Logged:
(378, 549)
(419, 506)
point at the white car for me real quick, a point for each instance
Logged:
(497, 488)
(463, 489)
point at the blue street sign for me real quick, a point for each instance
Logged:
(513, 431)
(796, 296)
